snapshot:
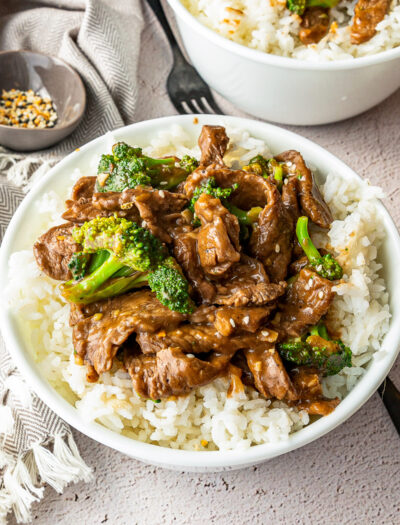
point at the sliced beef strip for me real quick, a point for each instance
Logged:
(270, 376)
(172, 373)
(314, 25)
(247, 283)
(252, 189)
(189, 338)
(307, 382)
(83, 188)
(230, 319)
(218, 237)
(305, 302)
(289, 198)
(239, 360)
(53, 251)
(213, 142)
(271, 240)
(138, 205)
(199, 339)
(185, 252)
(367, 15)
(311, 201)
(143, 204)
(97, 338)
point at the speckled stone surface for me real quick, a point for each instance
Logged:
(350, 476)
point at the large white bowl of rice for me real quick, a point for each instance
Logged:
(249, 52)
(207, 429)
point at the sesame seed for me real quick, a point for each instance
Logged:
(310, 282)
(190, 356)
(163, 183)
(144, 224)
(265, 333)
(161, 193)
(321, 295)
(246, 319)
(289, 163)
(285, 181)
(277, 248)
(233, 324)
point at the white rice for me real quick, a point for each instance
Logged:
(268, 26)
(207, 419)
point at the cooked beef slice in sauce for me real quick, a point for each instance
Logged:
(218, 237)
(367, 15)
(307, 382)
(270, 376)
(311, 201)
(271, 240)
(53, 251)
(213, 142)
(171, 372)
(314, 25)
(98, 337)
(306, 301)
(244, 305)
(247, 283)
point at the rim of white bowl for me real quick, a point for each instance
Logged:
(163, 456)
(277, 60)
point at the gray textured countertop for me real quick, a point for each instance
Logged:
(352, 475)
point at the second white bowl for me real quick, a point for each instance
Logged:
(287, 90)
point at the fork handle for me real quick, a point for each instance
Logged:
(391, 399)
(160, 14)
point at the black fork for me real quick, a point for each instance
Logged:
(186, 89)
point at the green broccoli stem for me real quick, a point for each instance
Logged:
(78, 292)
(117, 286)
(247, 218)
(278, 175)
(322, 3)
(158, 162)
(305, 241)
(320, 329)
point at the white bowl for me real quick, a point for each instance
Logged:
(287, 90)
(20, 230)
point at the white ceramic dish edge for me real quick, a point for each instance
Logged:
(179, 459)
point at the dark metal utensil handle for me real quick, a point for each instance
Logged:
(391, 399)
(159, 12)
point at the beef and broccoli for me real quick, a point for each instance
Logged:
(184, 270)
(315, 18)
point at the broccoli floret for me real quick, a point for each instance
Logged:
(296, 6)
(299, 6)
(127, 167)
(325, 265)
(189, 164)
(266, 168)
(210, 187)
(78, 264)
(125, 256)
(329, 356)
(170, 287)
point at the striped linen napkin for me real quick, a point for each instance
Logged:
(100, 39)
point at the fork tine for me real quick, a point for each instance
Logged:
(202, 107)
(213, 105)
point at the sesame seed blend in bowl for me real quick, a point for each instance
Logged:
(26, 109)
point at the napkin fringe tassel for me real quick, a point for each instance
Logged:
(23, 478)
(24, 171)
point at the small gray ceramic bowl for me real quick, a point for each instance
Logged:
(51, 77)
